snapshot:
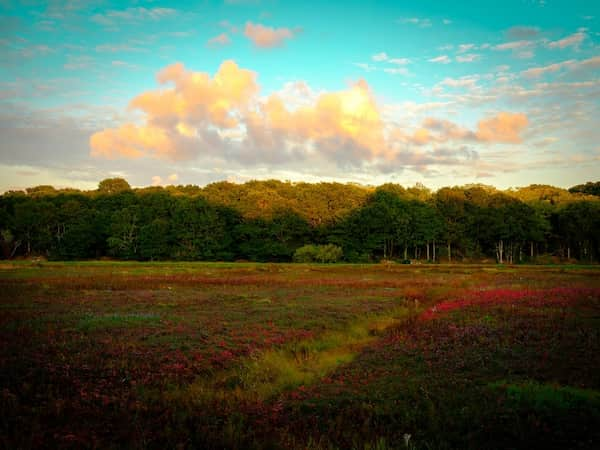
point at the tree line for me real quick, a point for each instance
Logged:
(282, 221)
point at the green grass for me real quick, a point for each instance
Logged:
(92, 322)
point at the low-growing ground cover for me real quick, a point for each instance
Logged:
(105, 355)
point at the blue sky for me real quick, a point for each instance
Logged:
(443, 93)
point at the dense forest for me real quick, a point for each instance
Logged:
(283, 221)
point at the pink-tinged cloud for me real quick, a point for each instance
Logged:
(224, 116)
(515, 45)
(503, 128)
(132, 141)
(536, 72)
(175, 115)
(267, 37)
(570, 41)
(219, 41)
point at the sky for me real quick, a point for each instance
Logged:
(434, 92)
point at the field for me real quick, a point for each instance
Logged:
(190, 355)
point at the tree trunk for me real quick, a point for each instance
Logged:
(449, 252)
(434, 250)
(16, 245)
(427, 250)
(500, 251)
(531, 249)
(520, 254)
(405, 252)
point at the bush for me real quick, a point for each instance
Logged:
(318, 253)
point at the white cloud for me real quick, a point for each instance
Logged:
(443, 59)
(397, 71)
(380, 57)
(465, 48)
(399, 61)
(421, 22)
(365, 66)
(469, 81)
(514, 45)
(469, 57)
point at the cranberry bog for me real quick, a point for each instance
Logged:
(161, 355)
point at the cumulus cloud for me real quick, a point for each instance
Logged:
(267, 37)
(224, 117)
(173, 115)
(504, 128)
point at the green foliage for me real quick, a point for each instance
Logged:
(113, 186)
(270, 220)
(589, 188)
(318, 253)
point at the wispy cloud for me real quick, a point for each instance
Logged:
(522, 32)
(397, 70)
(266, 37)
(382, 56)
(113, 18)
(443, 59)
(462, 48)
(468, 81)
(536, 72)
(419, 21)
(399, 61)
(219, 40)
(118, 48)
(469, 57)
(514, 45)
(570, 41)
(365, 66)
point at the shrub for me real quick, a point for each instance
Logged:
(318, 253)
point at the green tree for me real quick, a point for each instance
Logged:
(113, 186)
